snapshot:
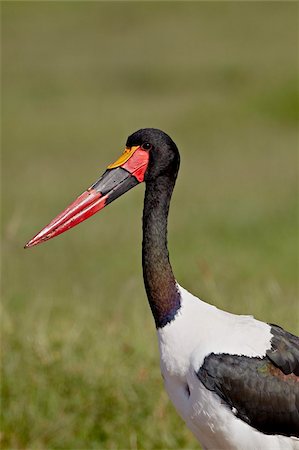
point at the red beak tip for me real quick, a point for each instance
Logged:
(33, 242)
(28, 245)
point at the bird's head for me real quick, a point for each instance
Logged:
(164, 158)
(149, 154)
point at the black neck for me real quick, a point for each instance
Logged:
(160, 284)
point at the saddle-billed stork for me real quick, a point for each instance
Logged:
(233, 379)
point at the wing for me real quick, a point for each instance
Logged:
(263, 392)
(284, 352)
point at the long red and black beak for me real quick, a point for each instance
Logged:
(124, 174)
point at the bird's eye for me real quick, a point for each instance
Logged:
(146, 146)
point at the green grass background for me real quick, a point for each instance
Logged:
(80, 358)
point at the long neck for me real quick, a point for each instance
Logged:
(160, 284)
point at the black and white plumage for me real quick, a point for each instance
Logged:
(233, 379)
(226, 388)
(246, 383)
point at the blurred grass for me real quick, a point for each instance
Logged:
(80, 359)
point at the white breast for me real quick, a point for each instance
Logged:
(198, 330)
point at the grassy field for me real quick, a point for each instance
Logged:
(80, 360)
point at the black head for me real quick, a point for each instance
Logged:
(164, 157)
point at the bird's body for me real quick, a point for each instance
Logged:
(233, 379)
(198, 331)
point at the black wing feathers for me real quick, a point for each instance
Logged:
(284, 352)
(263, 392)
